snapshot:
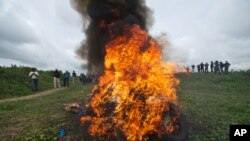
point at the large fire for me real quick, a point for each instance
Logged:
(135, 94)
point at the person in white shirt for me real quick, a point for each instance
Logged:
(34, 79)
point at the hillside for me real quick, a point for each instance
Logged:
(16, 82)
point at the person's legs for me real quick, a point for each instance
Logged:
(36, 84)
(55, 82)
(226, 71)
(67, 82)
(64, 82)
(58, 82)
(73, 78)
(33, 84)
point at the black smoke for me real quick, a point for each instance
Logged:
(106, 19)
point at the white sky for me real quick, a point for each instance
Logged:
(46, 33)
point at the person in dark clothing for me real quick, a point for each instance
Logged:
(216, 67)
(193, 68)
(66, 76)
(57, 79)
(34, 79)
(83, 78)
(198, 68)
(202, 67)
(212, 66)
(206, 67)
(226, 65)
(187, 69)
(73, 77)
(221, 67)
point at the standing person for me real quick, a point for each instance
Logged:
(73, 77)
(193, 68)
(66, 76)
(82, 78)
(226, 67)
(216, 67)
(57, 79)
(206, 67)
(34, 79)
(198, 68)
(221, 67)
(212, 66)
(202, 67)
(187, 69)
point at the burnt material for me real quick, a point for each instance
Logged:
(182, 134)
(115, 134)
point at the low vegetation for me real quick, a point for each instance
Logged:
(210, 103)
(15, 81)
(41, 119)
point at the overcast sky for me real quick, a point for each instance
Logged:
(46, 33)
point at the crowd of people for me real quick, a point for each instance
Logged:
(58, 75)
(66, 77)
(215, 67)
(88, 78)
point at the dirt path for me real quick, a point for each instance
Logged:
(39, 94)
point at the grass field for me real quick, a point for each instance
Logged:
(210, 102)
(42, 118)
(15, 81)
(213, 102)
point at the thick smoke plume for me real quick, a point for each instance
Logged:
(106, 19)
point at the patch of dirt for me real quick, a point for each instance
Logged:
(39, 94)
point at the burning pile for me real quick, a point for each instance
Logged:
(135, 97)
(135, 92)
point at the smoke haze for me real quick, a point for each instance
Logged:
(106, 18)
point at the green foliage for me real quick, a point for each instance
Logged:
(16, 82)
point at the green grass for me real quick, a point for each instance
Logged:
(15, 81)
(214, 102)
(210, 102)
(39, 119)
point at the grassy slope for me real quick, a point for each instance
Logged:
(40, 118)
(213, 102)
(16, 82)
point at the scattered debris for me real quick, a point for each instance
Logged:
(61, 133)
(72, 107)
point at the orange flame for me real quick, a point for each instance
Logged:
(135, 93)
